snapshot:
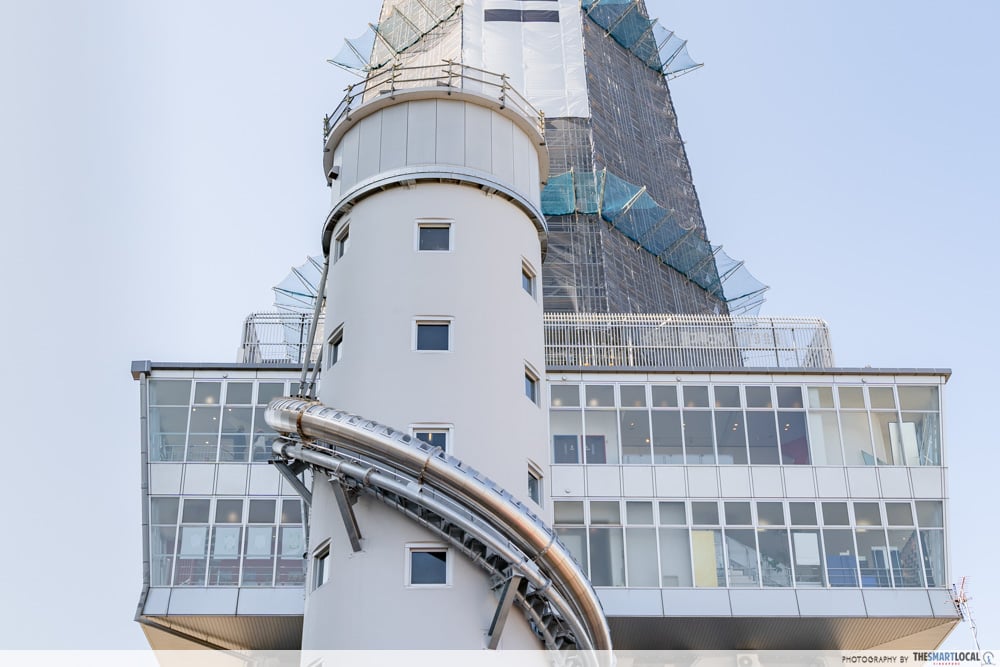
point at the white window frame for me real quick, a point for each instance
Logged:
(530, 374)
(535, 472)
(528, 272)
(335, 341)
(321, 565)
(342, 241)
(435, 427)
(417, 547)
(433, 320)
(434, 223)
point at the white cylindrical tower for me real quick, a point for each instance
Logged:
(433, 326)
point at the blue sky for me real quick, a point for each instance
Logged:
(161, 171)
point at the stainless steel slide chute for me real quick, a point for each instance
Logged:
(499, 533)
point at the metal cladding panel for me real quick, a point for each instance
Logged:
(369, 148)
(392, 152)
(420, 143)
(780, 633)
(478, 138)
(449, 149)
(261, 633)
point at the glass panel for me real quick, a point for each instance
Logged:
(639, 512)
(224, 568)
(258, 563)
(673, 514)
(428, 567)
(607, 557)
(867, 514)
(802, 514)
(851, 398)
(898, 514)
(565, 395)
(566, 427)
(261, 511)
(881, 398)
(835, 514)
(763, 437)
(841, 560)
(824, 434)
(236, 428)
(675, 557)
(568, 512)
(793, 439)
(169, 392)
(705, 513)
(291, 564)
(820, 397)
(434, 238)
(605, 512)
(698, 439)
(885, 428)
(601, 441)
(633, 396)
(203, 441)
(635, 436)
(262, 446)
(642, 557)
(163, 510)
(162, 544)
(575, 539)
(196, 510)
(166, 447)
(727, 397)
(918, 398)
(919, 439)
(770, 514)
(193, 540)
(730, 436)
(759, 397)
(432, 336)
(807, 558)
(668, 446)
(202, 447)
(873, 558)
(857, 439)
(291, 511)
(600, 396)
(664, 396)
(930, 513)
(741, 546)
(267, 391)
(904, 557)
(207, 393)
(228, 511)
(239, 393)
(789, 397)
(168, 420)
(709, 566)
(738, 514)
(932, 546)
(695, 396)
(775, 559)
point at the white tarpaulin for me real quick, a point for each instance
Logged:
(537, 43)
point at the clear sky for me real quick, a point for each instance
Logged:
(160, 171)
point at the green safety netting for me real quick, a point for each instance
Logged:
(675, 242)
(656, 46)
(406, 23)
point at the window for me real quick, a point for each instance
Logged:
(535, 484)
(433, 336)
(436, 435)
(427, 565)
(335, 347)
(433, 236)
(321, 566)
(342, 242)
(531, 384)
(528, 278)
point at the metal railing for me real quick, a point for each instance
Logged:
(277, 338)
(450, 75)
(590, 340)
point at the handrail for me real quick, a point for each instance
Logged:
(570, 592)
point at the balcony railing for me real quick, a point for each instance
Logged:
(590, 340)
(449, 75)
(277, 338)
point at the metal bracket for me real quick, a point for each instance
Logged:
(347, 513)
(289, 473)
(511, 588)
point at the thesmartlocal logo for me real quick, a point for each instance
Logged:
(954, 657)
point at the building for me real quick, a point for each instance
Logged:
(713, 479)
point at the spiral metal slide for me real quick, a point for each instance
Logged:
(532, 569)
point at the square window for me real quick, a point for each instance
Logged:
(435, 436)
(335, 347)
(427, 565)
(433, 336)
(434, 237)
(342, 242)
